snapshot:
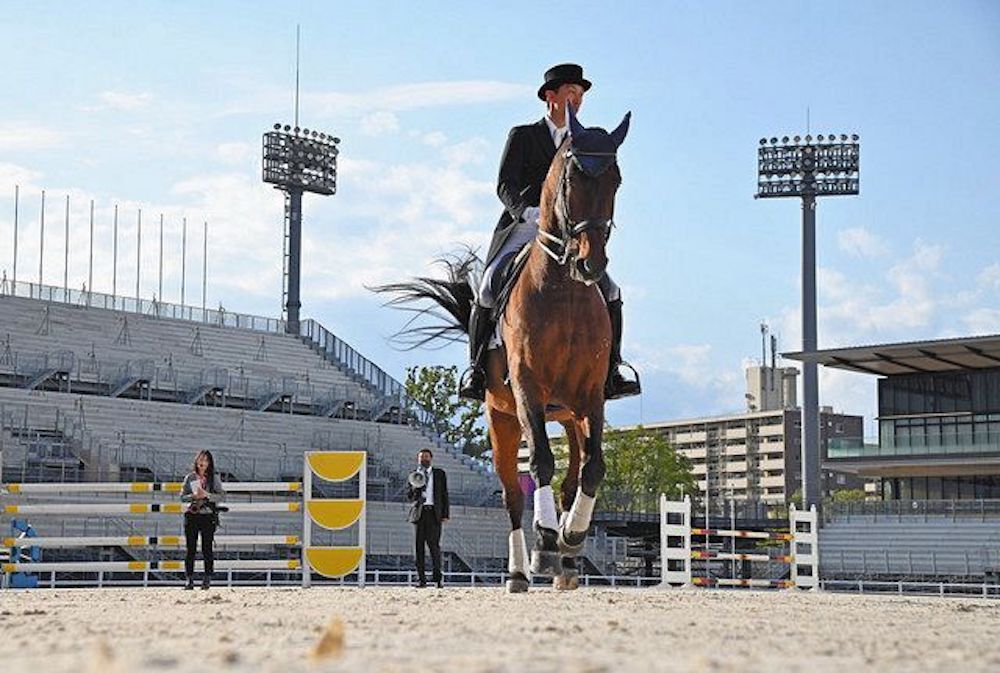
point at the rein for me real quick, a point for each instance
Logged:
(568, 228)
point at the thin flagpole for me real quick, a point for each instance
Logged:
(66, 256)
(184, 238)
(90, 264)
(114, 260)
(138, 256)
(41, 242)
(160, 285)
(17, 198)
(204, 268)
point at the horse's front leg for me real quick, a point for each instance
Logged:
(531, 413)
(573, 531)
(569, 578)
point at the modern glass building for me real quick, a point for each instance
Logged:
(938, 418)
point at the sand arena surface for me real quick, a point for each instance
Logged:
(404, 629)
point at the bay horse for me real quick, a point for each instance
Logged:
(553, 362)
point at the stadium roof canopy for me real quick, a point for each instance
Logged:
(915, 357)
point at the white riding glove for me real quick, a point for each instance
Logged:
(531, 214)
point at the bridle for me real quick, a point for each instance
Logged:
(569, 229)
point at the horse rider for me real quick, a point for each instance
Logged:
(523, 169)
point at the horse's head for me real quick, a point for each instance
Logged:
(584, 198)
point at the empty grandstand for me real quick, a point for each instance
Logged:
(97, 388)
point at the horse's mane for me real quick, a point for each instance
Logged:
(446, 300)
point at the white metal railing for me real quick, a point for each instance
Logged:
(282, 577)
(984, 590)
(218, 317)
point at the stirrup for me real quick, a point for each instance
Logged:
(472, 384)
(617, 386)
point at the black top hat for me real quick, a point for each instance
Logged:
(564, 73)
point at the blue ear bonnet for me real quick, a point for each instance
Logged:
(593, 151)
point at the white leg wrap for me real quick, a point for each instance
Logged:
(517, 554)
(581, 512)
(545, 508)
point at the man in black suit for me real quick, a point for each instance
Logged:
(523, 169)
(430, 509)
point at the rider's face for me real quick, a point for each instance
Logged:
(566, 93)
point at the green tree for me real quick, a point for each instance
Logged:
(849, 495)
(641, 464)
(458, 421)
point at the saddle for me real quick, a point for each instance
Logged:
(504, 279)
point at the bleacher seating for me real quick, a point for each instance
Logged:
(922, 547)
(115, 395)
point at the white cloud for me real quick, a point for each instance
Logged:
(244, 232)
(12, 174)
(860, 242)
(468, 152)
(989, 278)
(379, 123)
(416, 96)
(121, 100)
(237, 153)
(852, 308)
(15, 136)
(434, 138)
(983, 321)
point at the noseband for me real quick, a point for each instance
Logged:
(592, 164)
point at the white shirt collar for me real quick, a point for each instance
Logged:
(558, 133)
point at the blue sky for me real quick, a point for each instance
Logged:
(161, 106)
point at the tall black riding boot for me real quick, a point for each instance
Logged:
(617, 385)
(472, 384)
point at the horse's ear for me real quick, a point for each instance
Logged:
(618, 135)
(575, 127)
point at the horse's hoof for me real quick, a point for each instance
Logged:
(517, 584)
(545, 563)
(567, 581)
(569, 578)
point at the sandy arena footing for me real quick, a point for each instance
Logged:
(480, 630)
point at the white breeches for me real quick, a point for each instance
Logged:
(522, 234)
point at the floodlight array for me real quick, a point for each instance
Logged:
(821, 166)
(301, 159)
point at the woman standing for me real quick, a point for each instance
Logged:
(203, 490)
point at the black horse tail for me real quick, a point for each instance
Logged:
(446, 301)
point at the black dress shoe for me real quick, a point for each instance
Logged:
(440, 584)
(421, 585)
(206, 584)
(190, 584)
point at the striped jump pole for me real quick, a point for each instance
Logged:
(43, 511)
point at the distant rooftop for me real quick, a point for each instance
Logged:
(915, 357)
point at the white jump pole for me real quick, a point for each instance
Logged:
(307, 485)
(363, 523)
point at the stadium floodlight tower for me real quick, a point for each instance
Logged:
(297, 160)
(826, 166)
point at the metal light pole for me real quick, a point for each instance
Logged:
(297, 161)
(826, 166)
